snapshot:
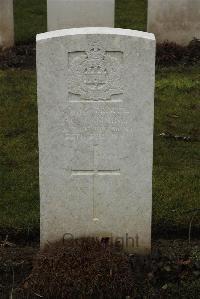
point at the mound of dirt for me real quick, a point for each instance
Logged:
(84, 268)
(88, 268)
(21, 56)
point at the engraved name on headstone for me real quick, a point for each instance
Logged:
(95, 105)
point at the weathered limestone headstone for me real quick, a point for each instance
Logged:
(174, 20)
(6, 24)
(63, 14)
(96, 107)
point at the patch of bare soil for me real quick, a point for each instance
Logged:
(171, 54)
(21, 56)
(92, 269)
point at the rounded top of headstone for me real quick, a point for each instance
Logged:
(95, 30)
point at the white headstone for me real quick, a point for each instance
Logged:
(63, 14)
(174, 20)
(96, 107)
(6, 24)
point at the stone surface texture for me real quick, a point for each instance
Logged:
(96, 108)
(174, 20)
(6, 24)
(63, 14)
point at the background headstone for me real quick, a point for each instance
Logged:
(96, 107)
(174, 20)
(6, 24)
(63, 14)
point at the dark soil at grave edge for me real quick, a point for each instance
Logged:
(168, 54)
(173, 267)
(21, 56)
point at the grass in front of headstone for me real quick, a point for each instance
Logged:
(30, 19)
(176, 160)
(19, 196)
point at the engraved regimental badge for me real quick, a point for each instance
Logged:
(95, 74)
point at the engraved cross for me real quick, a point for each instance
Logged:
(95, 172)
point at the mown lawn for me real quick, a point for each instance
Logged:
(176, 180)
(131, 14)
(30, 19)
(176, 174)
(176, 163)
(19, 199)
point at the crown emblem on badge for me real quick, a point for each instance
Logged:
(94, 73)
(95, 52)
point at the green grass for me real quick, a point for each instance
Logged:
(30, 19)
(131, 14)
(19, 197)
(176, 163)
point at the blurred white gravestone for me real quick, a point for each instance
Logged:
(6, 24)
(63, 14)
(174, 21)
(96, 107)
